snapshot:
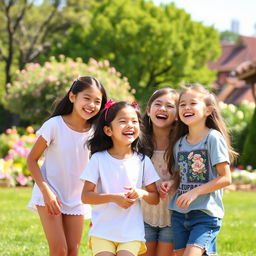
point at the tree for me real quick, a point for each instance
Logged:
(228, 36)
(151, 45)
(247, 158)
(27, 27)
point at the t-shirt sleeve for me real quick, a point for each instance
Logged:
(91, 171)
(218, 149)
(47, 130)
(150, 174)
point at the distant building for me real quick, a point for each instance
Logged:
(229, 88)
(247, 72)
(235, 26)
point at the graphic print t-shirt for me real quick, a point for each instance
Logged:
(196, 163)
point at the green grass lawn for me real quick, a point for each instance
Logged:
(21, 232)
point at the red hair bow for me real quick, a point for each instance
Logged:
(109, 104)
(135, 104)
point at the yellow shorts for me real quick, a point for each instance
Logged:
(102, 245)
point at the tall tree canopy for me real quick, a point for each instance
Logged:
(27, 28)
(151, 45)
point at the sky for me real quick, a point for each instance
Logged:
(220, 13)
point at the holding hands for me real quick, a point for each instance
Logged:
(124, 201)
(135, 193)
(165, 188)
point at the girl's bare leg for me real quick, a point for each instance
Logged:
(192, 250)
(73, 229)
(53, 229)
(151, 249)
(125, 253)
(179, 252)
(164, 249)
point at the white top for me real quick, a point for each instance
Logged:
(66, 156)
(158, 215)
(111, 175)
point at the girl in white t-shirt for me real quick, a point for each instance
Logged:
(114, 181)
(62, 138)
(158, 123)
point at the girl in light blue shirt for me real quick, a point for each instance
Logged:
(199, 159)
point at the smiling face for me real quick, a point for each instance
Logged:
(162, 111)
(125, 128)
(192, 108)
(86, 103)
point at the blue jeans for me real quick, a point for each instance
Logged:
(195, 228)
(153, 234)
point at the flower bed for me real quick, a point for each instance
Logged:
(14, 149)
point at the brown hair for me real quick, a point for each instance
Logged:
(214, 121)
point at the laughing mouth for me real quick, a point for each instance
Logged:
(128, 133)
(87, 111)
(162, 117)
(188, 114)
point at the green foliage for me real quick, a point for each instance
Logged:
(248, 156)
(247, 177)
(237, 119)
(152, 45)
(35, 88)
(228, 36)
(29, 27)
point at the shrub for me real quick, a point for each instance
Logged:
(35, 88)
(248, 156)
(237, 119)
(13, 167)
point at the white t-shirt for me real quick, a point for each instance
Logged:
(111, 175)
(66, 156)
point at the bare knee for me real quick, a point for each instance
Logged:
(73, 250)
(59, 250)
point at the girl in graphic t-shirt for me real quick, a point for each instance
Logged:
(118, 173)
(201, 149)
(57, 192)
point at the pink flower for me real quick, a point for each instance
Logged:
(190, 155)
(21, 179)
(197, 157)
(197, 166)
(240, 167)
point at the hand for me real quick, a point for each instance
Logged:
(123, 201)
(164, 189)
(135, 193)
(186, 199)
(52, 202)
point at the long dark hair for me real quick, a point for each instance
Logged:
(100, 141)
(214, 121)
(64, 106)
(147, 127)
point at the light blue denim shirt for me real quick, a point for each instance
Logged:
(196, 163)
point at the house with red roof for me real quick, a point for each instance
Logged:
(230, 88)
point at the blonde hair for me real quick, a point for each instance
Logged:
(214, 121)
